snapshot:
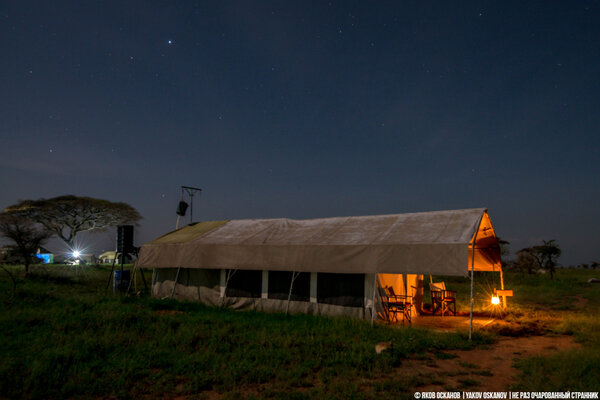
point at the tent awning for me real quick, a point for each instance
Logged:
(419, 243)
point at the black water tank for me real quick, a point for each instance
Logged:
(125, 239)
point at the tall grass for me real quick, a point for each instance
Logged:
(61, 337)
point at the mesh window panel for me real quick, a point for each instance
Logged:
(209, 278)
(279, 286)
(244, 284)
(341, 289)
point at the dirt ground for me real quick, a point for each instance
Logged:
(489, 369)
(452, 323)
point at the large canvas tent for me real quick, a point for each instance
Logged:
(325, 266)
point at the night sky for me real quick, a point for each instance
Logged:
(309, 109)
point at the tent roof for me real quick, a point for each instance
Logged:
(424, 243)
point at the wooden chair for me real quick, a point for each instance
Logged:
(442, 298)
(398, 304)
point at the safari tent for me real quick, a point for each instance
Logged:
(331, 266)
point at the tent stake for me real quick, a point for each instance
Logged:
(175, 283)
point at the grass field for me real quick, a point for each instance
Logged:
(568, 304)
(62, 337)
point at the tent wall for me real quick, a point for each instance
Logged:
(192, 284)
(208, 285)
(487, 250)
(352, 296)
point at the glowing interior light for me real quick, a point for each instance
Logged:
(495, 300)
(76, 254)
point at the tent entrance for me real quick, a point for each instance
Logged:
(407, 285)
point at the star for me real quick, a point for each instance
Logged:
(169, 41)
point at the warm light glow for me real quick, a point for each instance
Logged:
(495, 300)
(76, 254)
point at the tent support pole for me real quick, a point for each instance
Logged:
(112, 270)
(143, 278)
(373, 306)
(471, 312)
(132, 277)
(229, 275)
(175, 283)
(472, 278)
(502, 287)
(287, 306)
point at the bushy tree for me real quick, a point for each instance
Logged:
(547, 255)
(526, 260)
(26, 235)
(504, 251)
(66, 216)
(542, 256)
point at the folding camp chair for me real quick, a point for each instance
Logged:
(442, 298)
(398, 304)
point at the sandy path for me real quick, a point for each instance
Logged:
(485, 368)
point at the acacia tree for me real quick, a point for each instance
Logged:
(542, 256)
(547, 255)
(26, 236)
(526, 260)
(66, 216)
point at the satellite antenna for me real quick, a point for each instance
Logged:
(183, 205)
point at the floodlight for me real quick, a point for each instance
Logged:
(495, 300)
(76, 254)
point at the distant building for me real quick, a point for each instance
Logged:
(11, 255)
(46, 256)
(109, 257)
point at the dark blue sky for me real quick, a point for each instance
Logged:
(309, 109)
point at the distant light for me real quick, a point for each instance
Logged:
(495, 300)
(76, 254)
